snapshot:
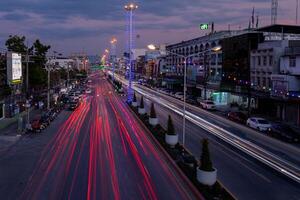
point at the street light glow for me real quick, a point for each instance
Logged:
(152, 47)
(130, 7)
(113, 41)
(216, 48)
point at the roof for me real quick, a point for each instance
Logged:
(278, 28)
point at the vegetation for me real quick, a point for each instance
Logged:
(206, 164)
(209, 192)
(171, 129)
(152, 111)
(38, 52)
(142, 102)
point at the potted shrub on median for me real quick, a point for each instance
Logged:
(134, 101)
(206, 174)
(153, 120)
(171, 137)
(142, 109)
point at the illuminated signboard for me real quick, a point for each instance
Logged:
(14, 68)
(203, 26)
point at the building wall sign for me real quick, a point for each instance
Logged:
(14, 68)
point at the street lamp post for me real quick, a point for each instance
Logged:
(130, 8)
(214, 49)
(48, 88)
(113, 55)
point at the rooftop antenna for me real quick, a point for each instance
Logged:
(297, 5)
(274, 11)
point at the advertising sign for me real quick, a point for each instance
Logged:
(204, 26)
(14, 68)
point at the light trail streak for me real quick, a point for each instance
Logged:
(282, 166)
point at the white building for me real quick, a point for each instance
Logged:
(61, 62)
(265, 62)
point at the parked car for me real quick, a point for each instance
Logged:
(207, 104)
(88, 91)
(285, 133)
(260, 124)
(36, 125)
(121, 91)
(237, 117)
(73, 105)
(179, 95)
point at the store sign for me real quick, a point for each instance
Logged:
(14, 68)
(203, 26)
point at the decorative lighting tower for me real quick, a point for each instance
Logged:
(113, 43)
(130, 7)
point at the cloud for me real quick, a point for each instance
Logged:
(77, 20)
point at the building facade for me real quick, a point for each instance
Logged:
(204, 66)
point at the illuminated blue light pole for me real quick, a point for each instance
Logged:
(130, 7)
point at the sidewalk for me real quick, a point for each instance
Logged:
(9, 133)
(9, 126)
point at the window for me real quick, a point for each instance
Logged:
(269, 83)
(258, 61)
(264, 60)
(292, 61)
(253, 62)
(264, 82)
(270, 60)
(258, 81)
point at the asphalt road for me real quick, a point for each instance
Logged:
(243, 175)
(99, 151)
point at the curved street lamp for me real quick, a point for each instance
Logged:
(214, 49)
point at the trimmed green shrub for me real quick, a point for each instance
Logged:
(206, 164)
(142, 102)
(134, 97)
(152, 111)
(171, 129)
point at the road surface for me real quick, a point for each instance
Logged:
(99, 151)
(243, 175)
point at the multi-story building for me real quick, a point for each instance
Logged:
(61, 62)
(275, 77)
(204, 67)
(264, 63)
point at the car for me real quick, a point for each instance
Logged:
(259, 124)
(36, 125)
(179, 95)
(73, 105)
(121, 91)
(237, 117)
(207, 104)
(285, 133)
(88, 91)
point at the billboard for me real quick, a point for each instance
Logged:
(14, 68)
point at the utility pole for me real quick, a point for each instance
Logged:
(274, 8)
(297, 5)
(48, 88)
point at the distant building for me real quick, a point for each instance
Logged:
(60, 62)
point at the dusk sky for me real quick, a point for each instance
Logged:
(77, 25)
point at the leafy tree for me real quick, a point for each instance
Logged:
(38, 74)
(16, 44)
(142, 102)
(152, 111)
(206, 164)
(171, 129)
